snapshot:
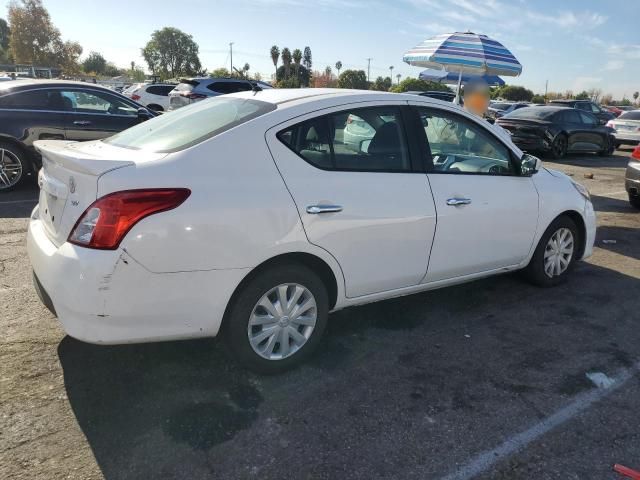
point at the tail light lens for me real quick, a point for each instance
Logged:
(636, 153)
(106, 221)
(135, 97)
(193, 96)
(611, 124)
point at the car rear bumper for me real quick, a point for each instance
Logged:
(105, 296)
(531, 143)
(627, 138)
(632, 178)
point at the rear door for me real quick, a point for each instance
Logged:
(592, 135)
(366, 203)
(94, 114)
(572, 124)
(33, 114)
(487, 213)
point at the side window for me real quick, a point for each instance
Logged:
(87, 101)
(583, 106)
(459, 146)
(571, 116)
(588, 119)
(363, 139)
(162, 90)
(32, 100)
(594, 108)
(229, 87)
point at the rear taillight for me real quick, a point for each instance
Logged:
(611, 124)
(636, 153)
(193, 96)
(106, 221)
(135, 97)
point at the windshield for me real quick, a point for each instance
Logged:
(536, 113)
(501, 106)
(634, 115)
(190, 125)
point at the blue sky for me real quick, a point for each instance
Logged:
(575, 44)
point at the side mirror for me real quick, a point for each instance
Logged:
(529, 165)
(144, 114)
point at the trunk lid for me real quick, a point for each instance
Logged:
(523, 127)
(69, 178)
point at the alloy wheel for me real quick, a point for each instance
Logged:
(10, 169)
(282, 321)
(558, 252)
(560, 147)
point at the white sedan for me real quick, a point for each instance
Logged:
(248, 216)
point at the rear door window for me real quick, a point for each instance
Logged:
(40, 99)
(162, 90)
(91, 101)
(588, 119)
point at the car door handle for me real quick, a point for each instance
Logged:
(82, 123)
(315, 209)
(458, 201)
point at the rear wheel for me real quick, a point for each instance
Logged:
(559, 147)
(634, 200)
(611, 147)
(277, 319)
(555, 254)
(13, 166)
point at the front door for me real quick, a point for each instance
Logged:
(95, 114)
(487, 213)
(358, 193)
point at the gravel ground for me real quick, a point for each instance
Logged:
(483, 380)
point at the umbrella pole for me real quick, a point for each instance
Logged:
(457, 99)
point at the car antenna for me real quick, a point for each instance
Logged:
(255, 88)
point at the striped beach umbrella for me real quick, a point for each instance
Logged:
(464, 52)
(451, 78)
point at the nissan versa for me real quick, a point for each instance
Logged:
(249, 216)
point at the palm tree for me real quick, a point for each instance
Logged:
(286, 61)
(636, 95)
(391, 71)
(245, 70)
(398, 77)
(338, 66)
(297, 58)
(275, 55)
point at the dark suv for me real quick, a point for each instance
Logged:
(33, 110)
(601, 114)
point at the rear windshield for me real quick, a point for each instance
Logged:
(190, 125)
(187, 85)
(634, 115)
(501, 106)
(537, 113)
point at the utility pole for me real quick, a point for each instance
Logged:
(546, 87)
(231, 55)
(368, 67)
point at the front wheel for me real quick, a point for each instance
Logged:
(277, 319)
(555, 254)
(634, 200)
(610, 148)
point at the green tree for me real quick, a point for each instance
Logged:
(356, 79)
(95, 62)
(275, 55)
(171, 53)
(297, 58)
(136, 73)
(306, 58)
(636, 95)
(515, 93)
(382, 84)
(221, 72)
(537, 99)
(34, 39)
(110, 70)
(283, 81)
(5, 33)
(286, 62)
(417, 85)
(338, 66)
(583, 95)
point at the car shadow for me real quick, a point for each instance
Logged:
(590, 160)
(622, 240)
(174, 409)
(609, 204)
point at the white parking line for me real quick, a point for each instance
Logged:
(488, 459)
(8, 202)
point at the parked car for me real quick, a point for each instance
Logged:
(154, 96)
(601, 114)
(127, 91)
(437, 94)
(246, 216)
(627, 128)
(191, 90)
(615, 110)
(501, 109)
(557, 130)
(33, 110)
(632, 178)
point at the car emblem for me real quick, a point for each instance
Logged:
(72, 185)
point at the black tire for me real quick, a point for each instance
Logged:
(611, 147)
(155, 108)
(236, 322)
(618, 145)
(634, 200)
(25, 167)
(535, 271)
(559, 147)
